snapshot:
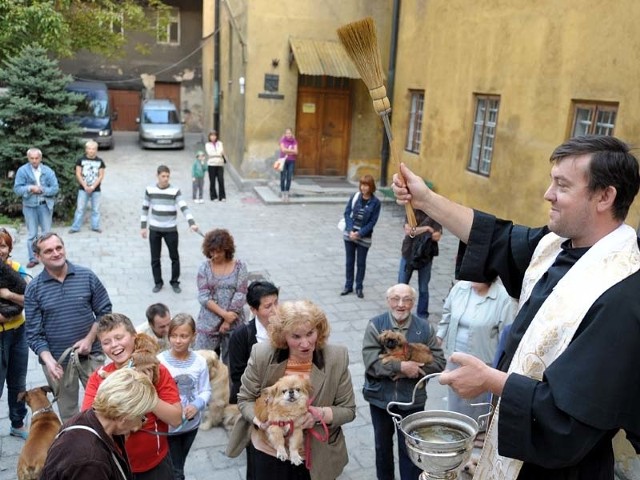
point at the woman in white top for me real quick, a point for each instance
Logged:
(473, 318)
(215, 164)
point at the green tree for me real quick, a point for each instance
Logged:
(32, 114)
(64, 27)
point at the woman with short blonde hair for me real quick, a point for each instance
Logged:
(96, 436)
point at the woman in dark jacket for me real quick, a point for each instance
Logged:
(360, 216)
(96, 436)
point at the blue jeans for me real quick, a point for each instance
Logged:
(35, 217)
(179, 446)
(424, 275)
(14, 357)
(383, 428)
(83, 199)
(356, 257)
(286, 175)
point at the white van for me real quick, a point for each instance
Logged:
(159, 125)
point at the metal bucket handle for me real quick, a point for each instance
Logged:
(396, 416)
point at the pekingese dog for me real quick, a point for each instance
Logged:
(396, 347)
(284, 405)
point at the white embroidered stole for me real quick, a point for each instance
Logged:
(608, 262)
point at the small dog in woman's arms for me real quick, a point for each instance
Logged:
(396, 347)
(284, 406)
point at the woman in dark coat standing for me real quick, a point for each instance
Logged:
(360, 216)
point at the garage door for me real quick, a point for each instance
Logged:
(169, 91)
(126, 104)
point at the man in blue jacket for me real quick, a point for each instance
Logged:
(37, 185)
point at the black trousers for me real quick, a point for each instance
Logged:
(266, 467)
(155, 244)
(216, 173)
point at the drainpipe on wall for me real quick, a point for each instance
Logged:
(216, 67)
(384, 152)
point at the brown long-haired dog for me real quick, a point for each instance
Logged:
(219, 411)
(284, 405)
(144, 357)
(44, 428)
(396, 347)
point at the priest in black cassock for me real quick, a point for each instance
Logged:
(569, 378)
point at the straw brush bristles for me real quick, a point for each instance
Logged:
(361, 43)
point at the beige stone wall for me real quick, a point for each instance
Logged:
(538, 56)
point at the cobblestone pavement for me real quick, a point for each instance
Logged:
(296, 245)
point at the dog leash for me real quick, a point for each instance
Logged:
(321, 437)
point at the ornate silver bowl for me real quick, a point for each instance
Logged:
(439, 442)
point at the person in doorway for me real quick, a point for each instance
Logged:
(215, 165)
(577, 279)
(89, 173)
(160, 218)
(288, 150)
(360, 215)
(37, 185)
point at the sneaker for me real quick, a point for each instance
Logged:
(97, 230)
(72, 231)
(176, 288)
(19, 432)
(32, 263)
(157, 288)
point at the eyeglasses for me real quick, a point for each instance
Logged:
(399, 300)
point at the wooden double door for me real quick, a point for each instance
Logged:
(323, 131)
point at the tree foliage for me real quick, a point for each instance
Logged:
(64, 27)
(32, 114)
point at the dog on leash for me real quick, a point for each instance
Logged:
(144, 358)
(44, 428)
(219, 411)
(284, 406)
(396, 347)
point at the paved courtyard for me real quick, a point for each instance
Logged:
(297, 246)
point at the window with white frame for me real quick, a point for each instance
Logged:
(484, 133)
(414, 132)
(594, 118)
(169, 31)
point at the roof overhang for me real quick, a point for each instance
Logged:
(322, 57)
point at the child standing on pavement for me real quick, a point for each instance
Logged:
(191, 374)
(197, 174)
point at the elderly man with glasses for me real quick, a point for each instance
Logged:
(395, 380)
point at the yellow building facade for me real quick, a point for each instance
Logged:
(278, 68)
(507, 81)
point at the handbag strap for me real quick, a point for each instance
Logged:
(89, 429)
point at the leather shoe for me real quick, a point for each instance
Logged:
(359, 293)
(157, 288)
(346, 291)
(32, 263)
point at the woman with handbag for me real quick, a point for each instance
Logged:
(215, 165)
(222, 293)
(360, 216)
(288, 151)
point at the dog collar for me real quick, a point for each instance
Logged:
(46, 409)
